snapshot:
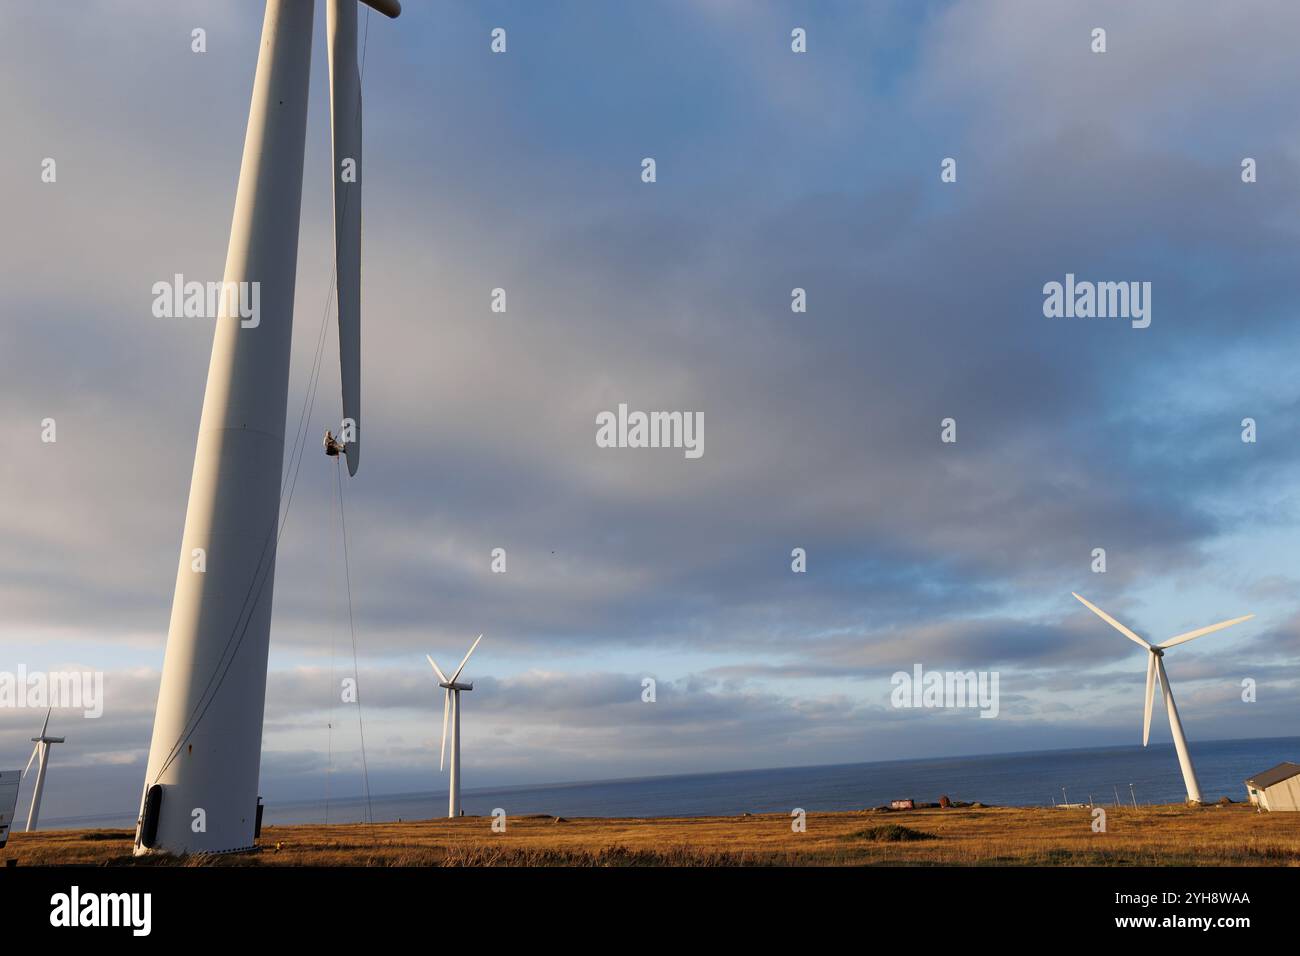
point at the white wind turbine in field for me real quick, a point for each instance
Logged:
(43, 749)
(451, 707)
(207, 734)
(1156, 667)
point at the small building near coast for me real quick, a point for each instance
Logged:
(1277, 788)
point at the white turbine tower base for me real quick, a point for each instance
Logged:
(41, 751)
(207, 734)
(1156, 674)
(451, 709)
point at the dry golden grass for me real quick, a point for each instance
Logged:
(1147, 836)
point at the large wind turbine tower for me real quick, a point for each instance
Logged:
(200, 789)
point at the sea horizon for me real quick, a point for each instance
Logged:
(1026, 778)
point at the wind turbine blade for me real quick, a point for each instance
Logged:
(1201, 632)
(465, 658)
(35, 750)
(1112, 622)
(446, 710)
(1151, 693)
(389, 8)
(437, 670)
(345, 115)
(46, 726)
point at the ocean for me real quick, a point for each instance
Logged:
(1035, 778)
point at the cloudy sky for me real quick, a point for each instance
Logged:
(775, 170)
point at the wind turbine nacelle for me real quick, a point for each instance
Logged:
(451, 685)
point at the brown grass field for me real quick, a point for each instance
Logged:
(992, 836)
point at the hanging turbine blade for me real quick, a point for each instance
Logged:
(345, 115)
(1201, 632)
(1151, 693)
(442, 678)
(465, 658)
(35, 751)
(1112, 622)
(446, 711)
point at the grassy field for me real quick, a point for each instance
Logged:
(1147, 836)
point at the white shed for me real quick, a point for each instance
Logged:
(1276, 789)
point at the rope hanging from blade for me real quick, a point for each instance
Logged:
(356, 671)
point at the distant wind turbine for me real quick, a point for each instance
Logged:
(1156, 667)
(451, 707)
(43, 749)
